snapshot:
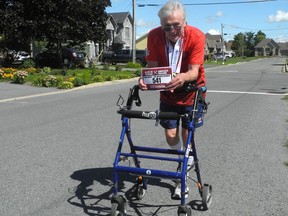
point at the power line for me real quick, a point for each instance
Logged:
(211, 3)
(237, 27)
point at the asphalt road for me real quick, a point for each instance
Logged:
(58, 146)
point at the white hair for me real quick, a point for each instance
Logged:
(170, 7)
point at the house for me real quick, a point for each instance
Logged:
(283, 49)
(214, 44)
(141, 42)
(111, 29)
(120, 30)
(267, 47)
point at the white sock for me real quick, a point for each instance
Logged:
(190, 160)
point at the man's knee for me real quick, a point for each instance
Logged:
(172, 136)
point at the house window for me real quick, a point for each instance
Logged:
(110, 34)
(127, 33)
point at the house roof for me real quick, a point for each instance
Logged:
(213, 37)
(283, 46)
(267, 42)
(142, 37)
(112, 20)
(120, 17)
(213, 40)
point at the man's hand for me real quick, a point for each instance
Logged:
(141, 84)
(176, 82)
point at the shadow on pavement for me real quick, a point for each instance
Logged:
(94, 203)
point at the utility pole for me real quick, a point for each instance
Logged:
(134, 32)
(222, 34)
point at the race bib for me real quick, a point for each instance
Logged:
(156, 78)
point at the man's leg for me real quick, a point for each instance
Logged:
(174, 141)
(172, 136)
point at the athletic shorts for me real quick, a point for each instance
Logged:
(169, 124)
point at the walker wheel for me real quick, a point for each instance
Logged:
(206, 196)
(140, 192)
(184, 210)
(119, 206)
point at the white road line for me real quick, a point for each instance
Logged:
(209, 91)
(222, 71)
(251, 93)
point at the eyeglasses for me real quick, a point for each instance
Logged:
(168, 28)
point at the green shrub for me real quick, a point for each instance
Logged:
(98, 78)
(45, 70)
(42, 80)
(28, 63)
(65, 85)
(133, 65)
(96, 72)
(31, 70)
(38, 80)
(56, 72)
(83, 78)
(78, 81)
(123, 76)
(109, 78)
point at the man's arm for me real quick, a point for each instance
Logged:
(179, 80)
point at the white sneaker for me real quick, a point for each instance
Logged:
(177, 191)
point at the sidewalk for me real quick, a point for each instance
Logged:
(10, 90)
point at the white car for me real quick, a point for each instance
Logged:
(228, 55)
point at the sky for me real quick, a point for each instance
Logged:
(271, 17)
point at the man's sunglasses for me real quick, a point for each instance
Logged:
(168, 28)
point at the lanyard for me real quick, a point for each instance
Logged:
(175, 55)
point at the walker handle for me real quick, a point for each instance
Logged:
(153, 115)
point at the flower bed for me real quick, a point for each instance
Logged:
(47, 77)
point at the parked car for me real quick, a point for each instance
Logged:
(106, 56)
(69, 57)
(124, 56)
(20, 57)
(10, 58)
(218, 56)
(229, 55)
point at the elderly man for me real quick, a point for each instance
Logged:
(181, 47)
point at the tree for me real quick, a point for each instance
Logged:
(238, 45)
(259, 37)
(249, 44)
(244, 43)
(56, 21)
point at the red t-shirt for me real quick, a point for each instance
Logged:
(193, 53)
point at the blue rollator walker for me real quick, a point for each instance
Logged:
(119, 203)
